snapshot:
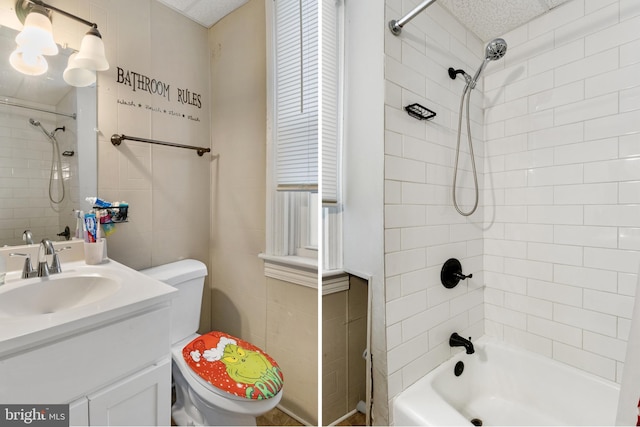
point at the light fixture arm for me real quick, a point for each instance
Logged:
(60, 11)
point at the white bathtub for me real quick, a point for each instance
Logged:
(505, 385)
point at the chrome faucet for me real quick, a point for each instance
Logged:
(456, 340)
(44, 268)
(27, 237)
(46, 249)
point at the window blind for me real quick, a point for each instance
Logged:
(331, 34)
(296, 94)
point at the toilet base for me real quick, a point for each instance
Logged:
(181, 417)
(190, 410)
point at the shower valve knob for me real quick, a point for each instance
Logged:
(451, 273)
(462, 276)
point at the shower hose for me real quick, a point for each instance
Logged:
(466, 93)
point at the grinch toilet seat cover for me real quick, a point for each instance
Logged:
(234, 365)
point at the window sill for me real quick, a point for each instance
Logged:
(293, 269)
(334, 281)
(304, 271)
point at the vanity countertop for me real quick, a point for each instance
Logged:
(129, 292)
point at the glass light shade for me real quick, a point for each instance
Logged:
(37, 33)
(78, 76)
(91, 55)
(28, 62)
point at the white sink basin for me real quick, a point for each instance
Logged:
(55, 294)
(38, 310)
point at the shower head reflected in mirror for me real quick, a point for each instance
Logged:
(51, 134)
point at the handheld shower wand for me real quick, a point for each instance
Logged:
(56, 162)
(51, 134)
(494, 50)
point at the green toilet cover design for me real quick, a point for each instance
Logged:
(234, 365)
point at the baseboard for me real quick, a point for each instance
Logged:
(295, 417)
(344, 417)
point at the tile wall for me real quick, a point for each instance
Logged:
(555, 246)
(422, 229)
(168, 189)
(344, 339)
(292, 340)
(562, 179)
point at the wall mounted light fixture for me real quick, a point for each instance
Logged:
(36, 40)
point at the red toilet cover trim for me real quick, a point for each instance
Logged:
(233, 365)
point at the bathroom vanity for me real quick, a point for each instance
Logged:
(95, 337)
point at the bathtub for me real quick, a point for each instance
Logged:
(505, 385)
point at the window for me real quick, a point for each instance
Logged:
(304, 119)
(292, 207)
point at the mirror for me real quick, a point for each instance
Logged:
(45, 173)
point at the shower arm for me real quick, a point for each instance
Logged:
(395, 25)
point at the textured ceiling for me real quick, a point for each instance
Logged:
(204, 12)
(491, 18)
(486, 18)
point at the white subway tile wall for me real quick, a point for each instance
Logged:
(575, 247)
(555, 246)
(422, 229)
(25, 166)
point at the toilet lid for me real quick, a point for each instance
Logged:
(233, 365)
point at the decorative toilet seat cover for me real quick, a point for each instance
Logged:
(233, 365)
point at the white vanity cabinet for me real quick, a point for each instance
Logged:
(142, 399)
(112, 371)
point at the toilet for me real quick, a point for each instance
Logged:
(198, 401)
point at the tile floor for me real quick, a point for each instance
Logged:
(276, 417)
(357, 419)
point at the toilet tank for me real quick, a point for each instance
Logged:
(188, 277)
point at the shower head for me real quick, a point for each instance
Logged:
(36, 123)
(495, 50)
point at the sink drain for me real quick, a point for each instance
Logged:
(476, 422)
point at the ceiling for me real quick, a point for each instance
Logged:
(492, 18)
(204, 12)
(486, 18)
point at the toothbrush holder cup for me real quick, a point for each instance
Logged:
(95, 253)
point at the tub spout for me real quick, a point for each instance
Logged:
(457, 341)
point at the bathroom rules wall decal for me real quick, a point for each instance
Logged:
(142, 83)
